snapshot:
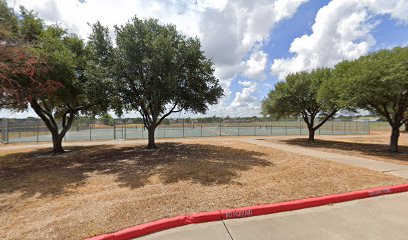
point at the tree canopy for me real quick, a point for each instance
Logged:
(18, 61)
(49, 71)
(158, 72)
(301, 95)
(378, 83)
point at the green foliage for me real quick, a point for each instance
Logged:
(157, 67)
(31, 26)
(67, 58)
(68, 73)
(21, 68)
(301, 95)
(107, 119)
(8, 23)
(378, 83)
(158, 71)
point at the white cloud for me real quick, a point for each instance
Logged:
(245, 83)
(244, 98)
(342, 30)
(397, 9)
(255, 65)
(228, 29)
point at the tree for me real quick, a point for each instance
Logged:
(160, 72)
(8, 24)
(18, 61)
(300, 95)
(377, 82)
(80, 87)
(107, 119)
(81, 70)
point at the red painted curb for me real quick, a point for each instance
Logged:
(167, 223)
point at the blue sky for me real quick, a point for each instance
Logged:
(282, 36)
(255, 43)
(388, 33)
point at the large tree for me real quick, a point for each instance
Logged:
(18, 61)
(160, 72)
(300, 96)
(84, 91)
(377, 82)
(71, 66)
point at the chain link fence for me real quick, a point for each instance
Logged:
(86, 129)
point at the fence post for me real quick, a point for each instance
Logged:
(368, 126)
(125, 129)
(300, 128)
(238, 128)
(114, 129)
(271, 126)
(201, 129)
(2, 130)
(121, 128)
(220, 126)
(5, 130)
(19, 127)
(286, 126)
(344, 128)
(332, 126)
(90, 130)
(183, 126)
(164, 130)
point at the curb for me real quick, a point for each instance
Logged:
(167, 223)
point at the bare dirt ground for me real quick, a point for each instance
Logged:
(374, 146)
(96, 189)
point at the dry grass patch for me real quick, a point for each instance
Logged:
(370, 146)
(98, 189)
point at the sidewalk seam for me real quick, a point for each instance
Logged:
(226, 228)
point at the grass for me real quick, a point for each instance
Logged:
(373, 146)
(102, 188)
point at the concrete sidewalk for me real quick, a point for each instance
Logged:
(383, 217)
(389, 168)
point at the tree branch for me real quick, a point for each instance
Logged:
(170, 112)
(326, 119)
(37, 109)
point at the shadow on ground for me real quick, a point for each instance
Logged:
(369, 149)
(39, 174)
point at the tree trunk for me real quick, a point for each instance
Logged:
(406, 126)
(394, 139)
(151, 130)
(57, 144)
(311, 135)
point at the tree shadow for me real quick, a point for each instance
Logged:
(39, 174)
(369, 149)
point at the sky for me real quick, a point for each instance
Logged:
(253, 43)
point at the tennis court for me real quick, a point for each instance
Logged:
(17, 130)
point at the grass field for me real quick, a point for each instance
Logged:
(96, 189)
(374, 146)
